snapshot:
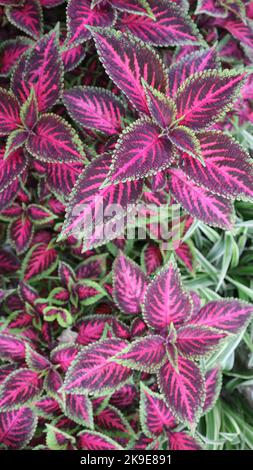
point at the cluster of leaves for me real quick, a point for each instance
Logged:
(125, 102)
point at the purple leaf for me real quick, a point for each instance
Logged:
(185, 140)
(183, 441)
(91, 440)
(79, 409)
(10, 52)
(20, 233)
(19, 388)
(161, 108)
(213, 379)
(11, 167)
(40, 260)
(27, 17)
(9, 112)
(155, 416)
(197, 340)
(17, 427)
(129, 285)
(11, 347)
(29, 111)
(146, 354)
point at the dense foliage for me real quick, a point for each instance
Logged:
(108, 341)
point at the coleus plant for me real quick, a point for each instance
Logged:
(98, 353)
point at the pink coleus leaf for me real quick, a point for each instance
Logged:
(184, 389)
(213, 382)
(95, 371)
(129, 285)
(88, 199)
(199, 202)
(183, 441)
(79, 409)
(20, 233)
(40, 259)
(205, 97)
(63, 355)
(91, 440)
(19, 388)
(185, 140)
(80, 15)
(17, 427)
(126, 61)
(11, 167)
(111, 420)
(155, 416)
(165, 301)
(205, 59)
(241, 30)
(11, 348)
(36, 361)
(10, 52)
(168, 26)
(54, 140)
(158, 181)
(66, 274)
(29, 111)
(211, 8)
(9, 112)
(133, 6)
(27, 17)
(8, 194)
(161, 108)
(72, 56)
(61, 315)
(195, 341)
(152, 258)
(62, 177)
(43, 70)
(146, 354)
(141, 151)
(228, 169)
(227, 315)
(184, 253)
(95, 108)
(40, 214)
(15, 141)
(53, 383)
(91, 328)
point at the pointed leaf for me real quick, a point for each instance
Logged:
(152, 258)
(17, 427)
(199, 202)
(10, 52)
(145, 354)
(129, 285)
(40, 214)
(165, 301)
(79, 409)
(15, 141)
(95, 371)
(20, 387)
(11, 348)
(186, 140)
(226, 315)
(80, 15)
(72, 56)
(205, 97)
(161, 108)
(213, 379)
(36, 361)
(40, 260)
(132, 6)
(127, 61)
(205, 59)
(9, 112)
(155, 416)
(95, 108)
(91, 440)
(54, 140)
(183, 441)
(195, 341)
(228, 169)
(62, 177)
(20, 233)
(27, 17)
(113, 421)
(184, 390)
(141, 151)
(29, 111)
(11, 167)
(8, 194)
(168, 26)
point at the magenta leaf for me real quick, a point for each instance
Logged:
(95, 371)
(197, 340)
(72, 56)
(8, 194)
(40, 260)
(27, 17)
(205, 98)
(185, 140)
(11, 348)
(168, 26)
(80, 15)
(110, 419)
(20, 233)
(91, 440)
(211, 8)
(161, 108)
(165, 301)
(36, 361)
(152, 258)
(199, 202)
(62, 177)
(40, 214)
(29, 111)
(155, 416)
(63, 355)
(91, 328)
(9, 112)
(228, 168)
(241, 30)
(146, 354)
(10, 52)
(127, 61)
(54, 140)
(183, 441)
(43, 70)
(88, 200)
(17, 427)
(15, 141)
(11, 167)
(140, 7)
(95, 108)
(129, 285)
(205, 59)
(184, 390)
(141, 151)
(19, 388)
(79, 409)
(229, 316)
(213, 380)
